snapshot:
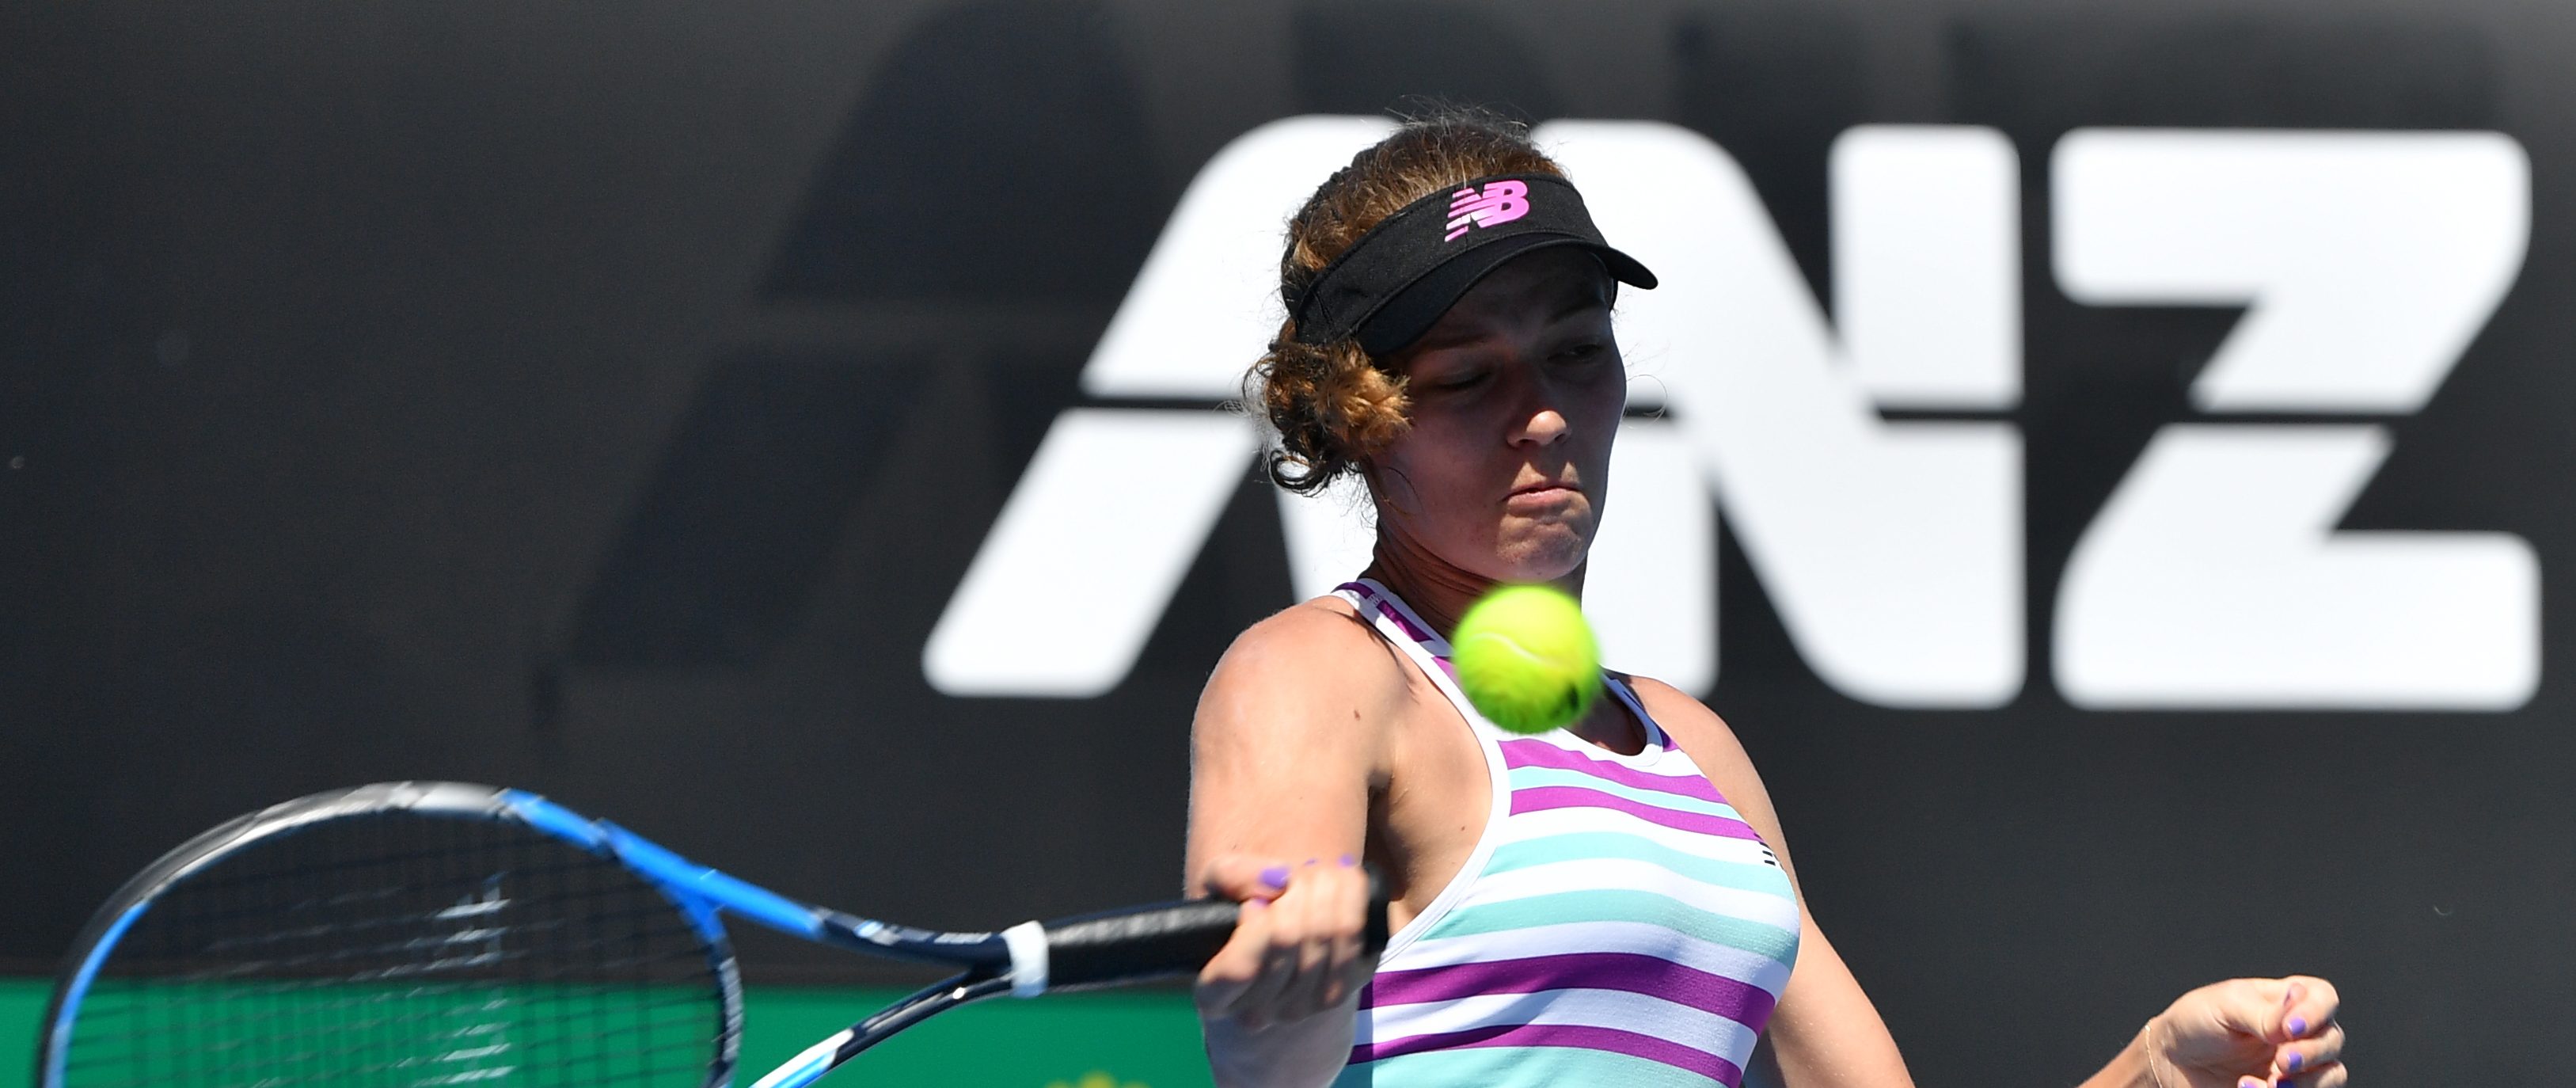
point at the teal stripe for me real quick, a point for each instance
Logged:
(1517, 1067)
(1523, 778)
(1621, 905)
(1750, 876)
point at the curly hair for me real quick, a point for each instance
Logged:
(1333, 405)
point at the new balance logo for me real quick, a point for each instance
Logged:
(2216, 574)
(1501, 202)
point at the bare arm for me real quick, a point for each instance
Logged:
(2241, 1033)
(1286, 748)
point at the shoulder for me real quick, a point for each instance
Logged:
(1322, 637)
(1699, 730)
(1709, 742)
(1325, 631)
(1314, 659)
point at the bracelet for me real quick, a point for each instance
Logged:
(2155, 1078)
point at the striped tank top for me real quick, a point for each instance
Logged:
(1618, 922)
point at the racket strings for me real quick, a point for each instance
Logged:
(401, 950)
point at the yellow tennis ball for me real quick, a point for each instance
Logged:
(1526, 659)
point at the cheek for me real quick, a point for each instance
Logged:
(1595, 428)
(1433, 483)
(1431, 466)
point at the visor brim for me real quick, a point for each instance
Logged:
(1412, 311)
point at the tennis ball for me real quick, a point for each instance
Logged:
(1526, 659)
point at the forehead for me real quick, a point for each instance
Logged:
(1536, 286)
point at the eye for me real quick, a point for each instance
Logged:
(1582, 352)
(1460, 378)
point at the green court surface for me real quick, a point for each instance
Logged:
(1139, 1039)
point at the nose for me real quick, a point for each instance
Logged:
(1538, 419)
(1542, 426)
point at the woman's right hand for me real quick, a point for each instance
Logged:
(1299, 950)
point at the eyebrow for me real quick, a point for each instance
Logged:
(1438, 339)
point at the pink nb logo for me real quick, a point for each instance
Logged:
(1501, 202)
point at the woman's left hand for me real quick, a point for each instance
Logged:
(2247, 1033)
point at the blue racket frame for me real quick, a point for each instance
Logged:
(1106, 949)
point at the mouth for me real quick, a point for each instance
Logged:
(1544, 489)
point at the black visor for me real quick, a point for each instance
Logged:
(1393, 284)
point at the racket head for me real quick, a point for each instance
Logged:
(399, 933)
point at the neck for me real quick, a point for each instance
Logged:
(1438, 590)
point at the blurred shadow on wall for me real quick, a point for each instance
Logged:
(1774, 83)
(999, 160)
(1001, 156)
(1364, 58)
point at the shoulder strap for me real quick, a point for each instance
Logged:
(1400, 625)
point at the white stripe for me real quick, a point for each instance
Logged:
(1697, 1029)
(812, 1062)
(1669, 762)
(1622, 874)
(1638, 938)
(1531, 778)
(1498, 789)
(1524, 826)
(1027, 943)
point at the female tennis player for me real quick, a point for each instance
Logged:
(1609, 903)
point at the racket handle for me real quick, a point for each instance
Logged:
(1136, 944)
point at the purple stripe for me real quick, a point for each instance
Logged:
(1573, 1036)
(1543, 798)
(1628, 972)
(1391, 612)
(1539, 753)
(1386, 607)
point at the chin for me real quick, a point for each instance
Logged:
(1543, 558)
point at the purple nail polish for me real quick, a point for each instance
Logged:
(1348, 861)
(2298, 1026)
(1276, 876)
(2294, 1061)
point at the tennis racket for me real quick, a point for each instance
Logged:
(445, 934)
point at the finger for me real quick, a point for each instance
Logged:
(1321, 886)
(1231, 972)
(2298, 1056)
(2246, 1008)
(1259, 1006)
(2308, 1006)
(1245, 877)
(1291, 945)
(1340, 899)
(1351, 915)
(2323, 1076)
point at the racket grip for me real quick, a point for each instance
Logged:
(1138, 944)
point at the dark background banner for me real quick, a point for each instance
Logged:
(611, 404)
